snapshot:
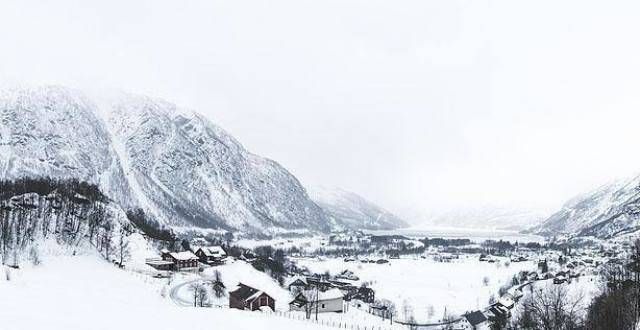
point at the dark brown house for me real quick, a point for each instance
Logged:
(181, 259)
(248, 298)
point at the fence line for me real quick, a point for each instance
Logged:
(330, 323)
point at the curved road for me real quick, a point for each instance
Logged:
(174, 293)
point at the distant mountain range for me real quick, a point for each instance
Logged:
(349, 210)
(173, 163)
(608, 211)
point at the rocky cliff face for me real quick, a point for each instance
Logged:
(175, 164)
(609, 211)
(56, 132)
(192, 171)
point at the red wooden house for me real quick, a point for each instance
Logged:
(248, 298)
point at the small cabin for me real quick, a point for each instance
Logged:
(248, 298)
(475, 321)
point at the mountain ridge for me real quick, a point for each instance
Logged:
(349, 210)
(174, 163)
(608, 211)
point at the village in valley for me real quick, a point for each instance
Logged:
(358, 280)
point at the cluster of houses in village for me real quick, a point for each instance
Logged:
(185, 260)
(311, 295)
(326, 295)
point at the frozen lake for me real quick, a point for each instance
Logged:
(475, 235)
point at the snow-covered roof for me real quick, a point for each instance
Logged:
(186, 255)
(330, 295)
(297, 278)
(213, 251)
(255, 295)
(506, 301)
(475, 318)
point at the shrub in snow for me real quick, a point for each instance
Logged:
(164, 292)
(34, 256)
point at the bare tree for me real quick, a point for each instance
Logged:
(550, 309)
(123, 242)
(34, 256)
(218, 287)
(200, 294)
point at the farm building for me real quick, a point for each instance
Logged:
(248, 298)
(181, 260)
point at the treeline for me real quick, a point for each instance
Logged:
(618, 307)
(445, 241)
(68, 188)
(150, 226)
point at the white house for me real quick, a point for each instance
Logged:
(331, 301)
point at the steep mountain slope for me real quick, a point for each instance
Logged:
(352, 211)
(610, 210)
(194, 172)
(55, 132)
(175, 164)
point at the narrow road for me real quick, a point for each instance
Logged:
(175, 296)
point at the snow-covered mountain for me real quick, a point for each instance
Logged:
(486, 217)
(608, 211)
(188, 170)
(352, 211)
(56, 132)
(147, 153)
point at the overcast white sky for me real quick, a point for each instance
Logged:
(414, 104)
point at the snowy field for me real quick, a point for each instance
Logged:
(427, 286)
(303, 243)
(83, 292)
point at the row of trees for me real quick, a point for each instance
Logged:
(69, 211)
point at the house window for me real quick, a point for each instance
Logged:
(322, 305)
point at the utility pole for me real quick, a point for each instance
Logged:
(317, 299)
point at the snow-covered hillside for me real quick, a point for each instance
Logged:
(608, 211)
(173, 163)
(83, 292)
(352, 211)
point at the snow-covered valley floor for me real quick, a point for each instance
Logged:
(428, 287)
(84, 292)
